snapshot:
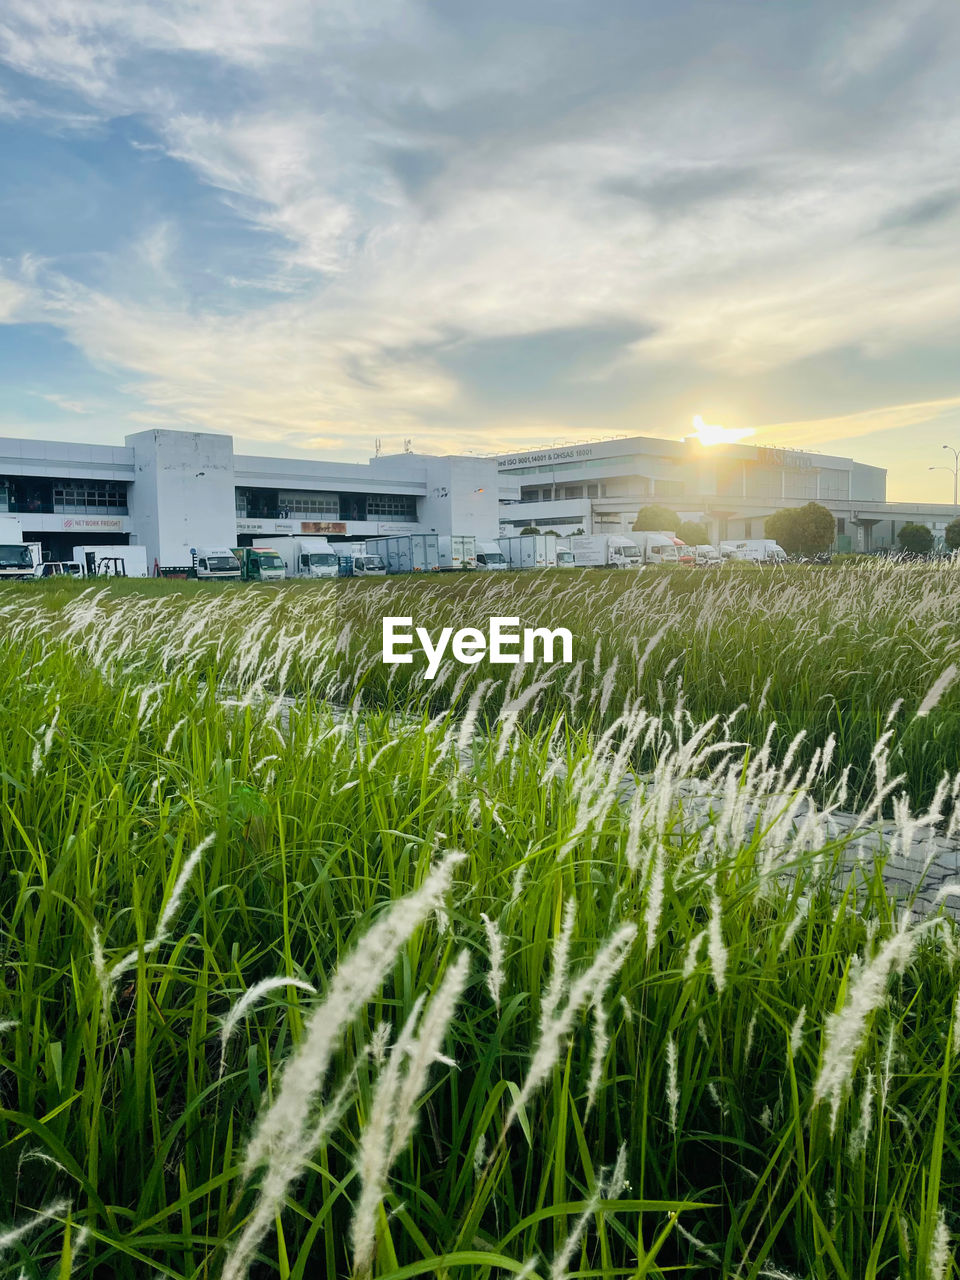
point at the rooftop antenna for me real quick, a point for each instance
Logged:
(378, 447)
(407, 446)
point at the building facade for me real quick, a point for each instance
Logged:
(731, 488)
(173, 491)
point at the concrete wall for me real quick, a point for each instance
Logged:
(183, 495)
(462, 494)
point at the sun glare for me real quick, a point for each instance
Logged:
(713, 433)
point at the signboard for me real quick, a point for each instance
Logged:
(408, 527)
(771, 457)
(321, 526)
(266, 526)
(551, 455)
(92, 522)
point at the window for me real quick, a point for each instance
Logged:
(392, 506)
(529, 495)
(593, 491)
(304, 503)
(89, 497)
(841, 526)
(548, 495)
(834, 483)
(573, 491)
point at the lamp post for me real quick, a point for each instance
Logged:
(954, 470)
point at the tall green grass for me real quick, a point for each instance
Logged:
(133, 732)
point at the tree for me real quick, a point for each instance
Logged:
(654, 519)
(807, 530)
(915, 539)
(693, 533)
(951, 535)
(552, 533)
(531, 528)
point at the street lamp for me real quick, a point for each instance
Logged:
(954, 470)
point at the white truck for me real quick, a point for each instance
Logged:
(59, 568)
(704, 553)
(304, 557)
(489, 556)
(120, 561)
(409, 553)
(530, 550)
(659, 548)
(217, 563)
(757, 550)
(18, 559)
(604, 550)
(457, 551)
(355, 561)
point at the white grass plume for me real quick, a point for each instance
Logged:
(715, 948)
(556, 1023)
(609, 1185)
(495, 948)
(936, 691)
(56, 1209)
(111, 977)
(285, 1139)
(393, 1116)
(248, 1000)
(673, 1088)
(845, 1031)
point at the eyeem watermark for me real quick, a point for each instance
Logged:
(503, 642)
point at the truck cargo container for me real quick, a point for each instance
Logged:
(659, 548)
(489, 556)
(457, 551)
(259, 564)
(530, 550)
(408, 553)
(119, 561)
(304, 557)
(604, 550)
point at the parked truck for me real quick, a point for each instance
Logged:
(530, 550)
(259, 564)
(704, 553)
(117, 561)
(304, 557)
(659, 548)
(409, 553)
(18, 559)
(217, 563)
(355, 561)
(489, 556)
(604, 550)
(457, 551)
(757, 550)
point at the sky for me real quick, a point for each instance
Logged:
(484, 227)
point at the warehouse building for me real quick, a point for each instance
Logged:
(599, 487)
(172, 491)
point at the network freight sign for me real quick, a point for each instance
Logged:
(322, 526)
(92, 522)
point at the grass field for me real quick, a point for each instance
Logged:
(313, 967)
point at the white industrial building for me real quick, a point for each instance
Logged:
(599, 486)
(172, 491)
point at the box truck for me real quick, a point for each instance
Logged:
(659, 548)
(409, 553)
(604, 550)
(118, 561)
(530, 550)
(458, 551)
(706, 554)
(489, 556)
(259, 564)
(304, 557)
(18, 559)
(218, 563)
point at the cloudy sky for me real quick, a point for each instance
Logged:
(484, 226)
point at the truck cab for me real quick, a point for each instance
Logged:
(259, 564)
(217, 562)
